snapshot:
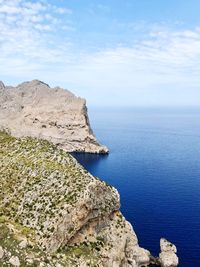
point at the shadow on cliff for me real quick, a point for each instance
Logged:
(90, 161)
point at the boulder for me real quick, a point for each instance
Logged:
(168, 257)
(14, 261)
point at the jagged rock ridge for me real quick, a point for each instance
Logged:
(54, 114)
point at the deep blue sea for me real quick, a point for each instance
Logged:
(154, 162)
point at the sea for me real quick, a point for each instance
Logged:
(154, 162)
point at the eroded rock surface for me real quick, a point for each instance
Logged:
(168, 257)
(54, 213)
(54, 114)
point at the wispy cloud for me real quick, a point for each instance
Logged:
(27, 29)
(163, 68)
(33, 44)
(160, 57)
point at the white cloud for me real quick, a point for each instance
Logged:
(27, 32)
(103, 8)
(30, 48)
(62, 10)
(166, 57)
(160, 69)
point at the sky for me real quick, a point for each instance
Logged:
(111, 52)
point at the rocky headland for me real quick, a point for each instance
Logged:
(54, 114)
(53, 213)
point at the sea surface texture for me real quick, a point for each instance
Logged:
(154, 162)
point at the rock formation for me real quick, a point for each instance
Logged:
(34, 109)
(54, 213)
(168, 257)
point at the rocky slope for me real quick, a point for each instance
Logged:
(54, 213)
(34, 109)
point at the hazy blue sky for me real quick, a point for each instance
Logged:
(111, 52)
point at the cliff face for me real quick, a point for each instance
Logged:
(34, 109)
(54, 213)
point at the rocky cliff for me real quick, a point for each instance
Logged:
(54, 114)
(54, 213)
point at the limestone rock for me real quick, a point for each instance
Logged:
(34, 109)
(62, 209)
(1, 252)
(141, 256)
(23, 244)
(166, 246)
(168, 257)
(29, 261)
(14, 260)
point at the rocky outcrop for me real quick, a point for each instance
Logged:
(54, 213)
(168, 257)
(14, 261)
(34, 109)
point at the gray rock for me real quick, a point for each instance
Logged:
(141, 256)
(23, 244)
(36, 110)
(168, 257)
(1, 252)
(29, 261)
(166, 246)
(14, 260)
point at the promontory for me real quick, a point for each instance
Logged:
(34, 109)
(53, 212)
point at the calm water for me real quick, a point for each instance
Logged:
(154, 162)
